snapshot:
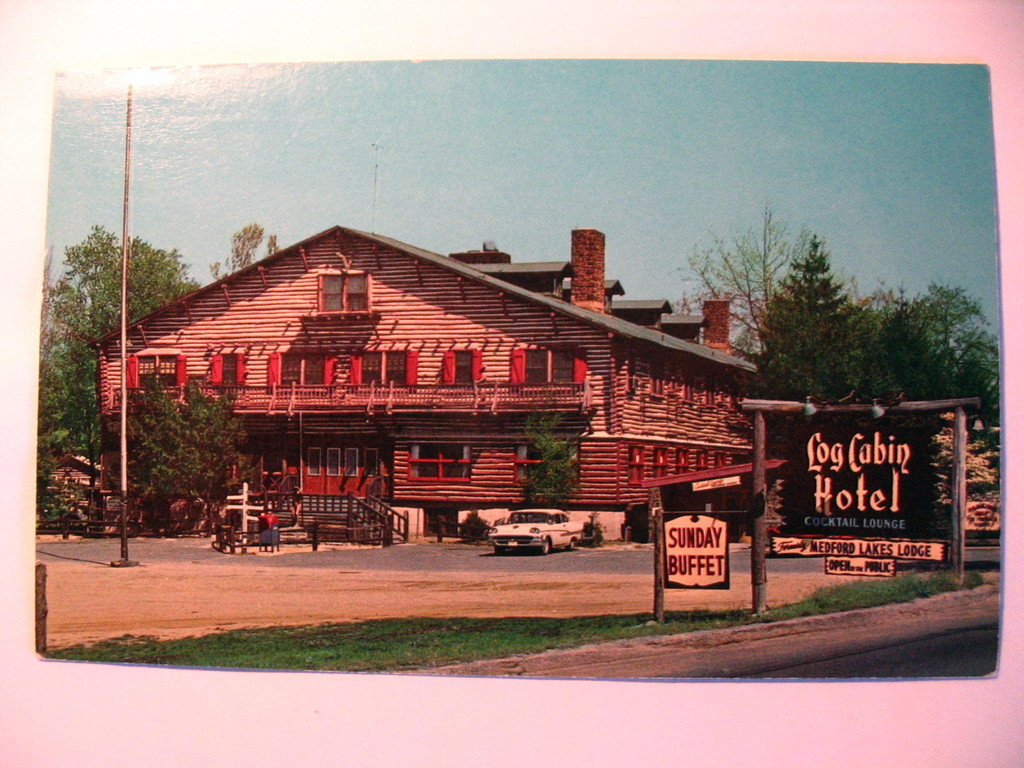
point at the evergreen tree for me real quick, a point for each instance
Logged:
(813, 335)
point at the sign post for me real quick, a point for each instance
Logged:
(657, 526)
(958, 492)
(758, 523)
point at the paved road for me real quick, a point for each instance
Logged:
(951, 635)
(965, 652)
(427, 557)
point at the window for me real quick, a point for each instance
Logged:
(636, 464)
(313, 462)
(526, 457)
(536, 366)
(302, 369)
(351, 462)
(660, 464)
(158, 369)
(371, 462)
(230, 369)
(344, 292)
(657, 379)
(333, 462)
(166, 370)
(463, 367)
(440, 462)
(682, 460)
(543, 366)
(387, 367)
(227, 369)
(561, 365)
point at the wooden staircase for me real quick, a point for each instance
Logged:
(309, 518)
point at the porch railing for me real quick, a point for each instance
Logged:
(483, 396)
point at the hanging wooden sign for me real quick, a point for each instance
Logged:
(902, 549)
(696, 552)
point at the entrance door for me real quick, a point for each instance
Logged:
(335, 470)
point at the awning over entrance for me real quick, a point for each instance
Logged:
(732, 470)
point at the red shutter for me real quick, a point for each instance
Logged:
(579, 369)
(517, 367)
(412, 366)
(478, 365)
(181, 370)
(216, 370)
(273, 368)
(330, 364)
(448, 367)
(132, 372)
(369, 292)
(240, 369)
(355, 370)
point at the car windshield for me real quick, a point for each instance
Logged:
(529, 517)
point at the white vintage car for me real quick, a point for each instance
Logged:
(538, 529)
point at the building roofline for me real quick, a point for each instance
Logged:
(608, 322)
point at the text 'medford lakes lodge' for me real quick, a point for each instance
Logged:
(359, 364)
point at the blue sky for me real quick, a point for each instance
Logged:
(892, 164)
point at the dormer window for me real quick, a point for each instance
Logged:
(344, 292)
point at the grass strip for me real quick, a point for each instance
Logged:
(399, 644)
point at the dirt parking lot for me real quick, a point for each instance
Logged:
(193, 594)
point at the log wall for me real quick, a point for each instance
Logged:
(642, 394)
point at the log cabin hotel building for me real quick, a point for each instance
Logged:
(364, 367)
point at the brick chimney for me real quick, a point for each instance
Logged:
(588, 290)
(716, 324)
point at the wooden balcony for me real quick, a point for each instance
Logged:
(482, 397)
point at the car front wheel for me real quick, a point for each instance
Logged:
(545, 548)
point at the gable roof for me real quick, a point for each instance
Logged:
(608, 322)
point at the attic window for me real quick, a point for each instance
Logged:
(344, 292)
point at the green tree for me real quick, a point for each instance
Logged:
(183, 449)
(814, 334)
(554, 479)
(935, 346)
(747, 270)
(79, 307)
(244, 245)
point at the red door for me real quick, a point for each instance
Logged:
(337, 470)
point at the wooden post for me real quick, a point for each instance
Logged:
(657, 525)
(958, 492)
(759, 532)
(41, 609)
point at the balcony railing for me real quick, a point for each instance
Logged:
(373, 398)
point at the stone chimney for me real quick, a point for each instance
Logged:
(716, 325)
(588, 289)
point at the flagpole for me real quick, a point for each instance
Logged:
(125, 251)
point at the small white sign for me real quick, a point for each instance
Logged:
(859, 566)
(696, 552)
(901, 549)
(718, 482)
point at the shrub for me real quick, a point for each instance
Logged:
(473, 528)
